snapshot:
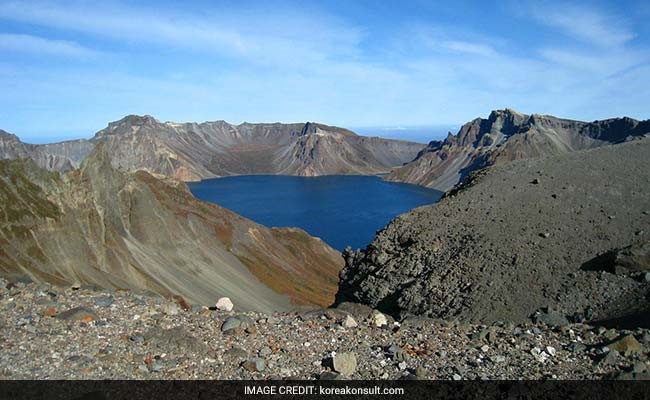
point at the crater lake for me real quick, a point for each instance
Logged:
(342, 210)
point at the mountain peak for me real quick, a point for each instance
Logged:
(4, 135)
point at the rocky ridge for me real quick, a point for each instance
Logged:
(508, 135)
(195, 151)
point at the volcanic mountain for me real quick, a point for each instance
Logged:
(116, 229)
(508, 135)
(195, 151)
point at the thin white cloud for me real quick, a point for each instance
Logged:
(614, 61)
(37, 45)
(460, 46)
(585, 23)
(259, 36)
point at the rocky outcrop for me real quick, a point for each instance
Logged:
(62, 156)
(192, 151)
(99, 225)
(516, 238)
(508, 135)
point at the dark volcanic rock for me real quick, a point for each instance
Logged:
(477, 254)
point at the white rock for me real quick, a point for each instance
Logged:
(345, 363)
(224, 304)
(379, 319)
(551, 350)
(349, 322)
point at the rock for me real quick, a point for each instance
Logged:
(81, 314)
(402, 366)
(487, 335)
(535, 181)
(420, 372)
(551, 351)
(576, 347)
(236, 353)
(174, 340)
(224, 304)
(611, 334)
(182, 303)
(456, 377)
(238, 323)
(104, 301)
(379, 319)
(254, 364)
(634, 258)
(357, 310)
(345, 363)
(627, 346)
(545, 235)
(170, 308)
(349, 322)
(396, 353)
(330, 376)
(230, 325)
(612, 357)
(266, 351)
(639, 368)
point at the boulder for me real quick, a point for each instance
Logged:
(627, 346)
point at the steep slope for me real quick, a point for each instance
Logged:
(516, 238)
(507, 135)
(97, 225)
(192, 151)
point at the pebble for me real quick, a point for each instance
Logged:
(104, 301)
(255, 364)
(81, 314)
(345, 363)
(224, 304)
(230, 325)
(379, 319)
(349, 322)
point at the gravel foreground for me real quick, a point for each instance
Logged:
(56, 333)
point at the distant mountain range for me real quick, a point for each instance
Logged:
(508, 135)
(193, 151)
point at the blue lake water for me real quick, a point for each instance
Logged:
(341, 210)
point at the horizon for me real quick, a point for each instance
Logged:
(69, 67)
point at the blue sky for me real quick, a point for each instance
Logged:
(67, 68)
